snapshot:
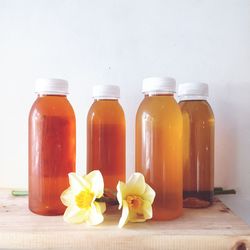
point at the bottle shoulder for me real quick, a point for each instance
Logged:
(196, 108)
(159, 106)
(52, 106)
(106, 110)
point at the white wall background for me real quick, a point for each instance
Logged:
(120, 42)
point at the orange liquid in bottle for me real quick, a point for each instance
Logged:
(159, 152)
(198, 153)
(106, 145)
(51, 153)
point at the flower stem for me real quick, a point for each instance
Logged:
(19, 192)
(108, 200)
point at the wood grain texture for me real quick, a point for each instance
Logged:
(211, 228)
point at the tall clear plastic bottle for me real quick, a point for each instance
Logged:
(198, 145)
(52, 146)
(106, 136)
(159, 145)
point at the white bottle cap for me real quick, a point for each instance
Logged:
(106, 92)
(159, 85)
(51, 86)
(193, 91)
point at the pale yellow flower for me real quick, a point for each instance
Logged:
(135, 198)
(80, 198)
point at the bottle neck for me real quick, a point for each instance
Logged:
(158, 94)
(55, 95)
(192, 98)
(106, 99)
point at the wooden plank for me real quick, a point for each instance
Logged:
(211, 228)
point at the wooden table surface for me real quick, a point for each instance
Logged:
(211, 228)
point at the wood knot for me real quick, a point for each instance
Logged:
(241, 245)
(225, 210)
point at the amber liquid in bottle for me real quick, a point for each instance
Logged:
(198, 153)
(51, 153)
(106, 137)
(159, 152)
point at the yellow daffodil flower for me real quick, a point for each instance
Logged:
(80, 198)
(135, 198)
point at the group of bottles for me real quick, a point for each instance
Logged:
(174, 144)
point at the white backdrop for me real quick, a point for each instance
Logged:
(120, 42)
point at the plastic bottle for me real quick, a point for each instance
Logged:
(159, 145)
(106, 136)
(52, 146)
(198, 145)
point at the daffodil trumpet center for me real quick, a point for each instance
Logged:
(84, 199)
(134, 202)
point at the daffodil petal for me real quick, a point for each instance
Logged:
(77, 183)
(149, 194)
(147, 210)
(136, 184)
(73, 214)
(121, 192)
(96, 182)
(95, 216)
(133, 218)
(125, 213)
(67, 197)
(136, 216)
(145, 213)
(101, 206)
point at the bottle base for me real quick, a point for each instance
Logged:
(200, 199)
(47, 211)
(165, 215)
